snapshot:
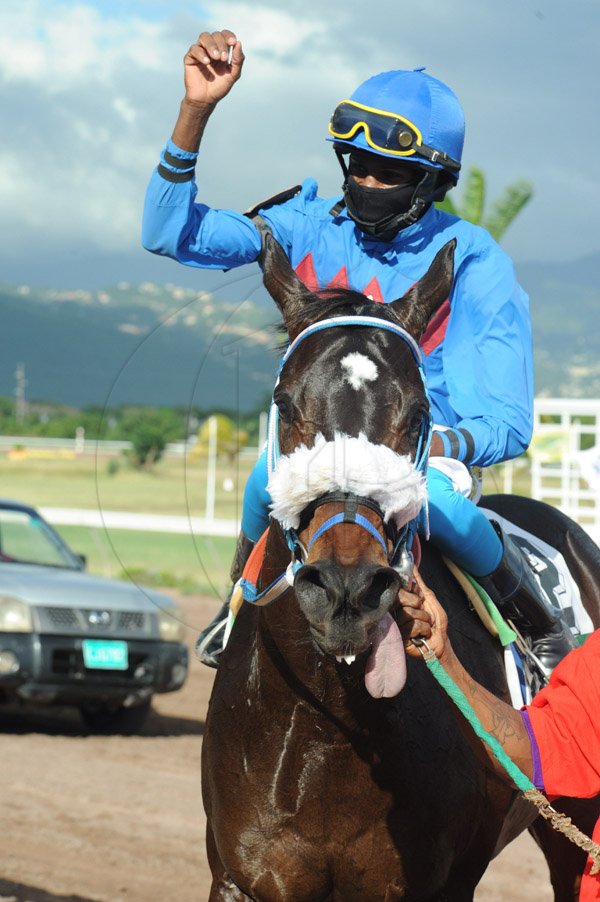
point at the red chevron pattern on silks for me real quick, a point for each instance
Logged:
(306, 272)
(340, 280)
(435, 332)
(373, 291)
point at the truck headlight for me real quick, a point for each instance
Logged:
(171, 624)
(15, 615)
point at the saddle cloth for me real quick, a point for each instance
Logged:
(551, 569)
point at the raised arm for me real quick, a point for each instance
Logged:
(208, 78)
(424, 617)
(174, 224)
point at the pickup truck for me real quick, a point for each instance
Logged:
(70, 638)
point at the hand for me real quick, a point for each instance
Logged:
(423, 617)
(208, 77)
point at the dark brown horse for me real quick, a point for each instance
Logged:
(314, 789)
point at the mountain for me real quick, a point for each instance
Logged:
(165, 344)
(565, 307)
(144, 344)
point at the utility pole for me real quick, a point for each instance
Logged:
(211, 468)
(20, 402)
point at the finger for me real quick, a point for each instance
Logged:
(410, 598)
(230, 37)
(418, 631)
(237, 55)
(213, 44)
(419, 579)
(427, 593)
(416, 615)
(413, 628)
(221, 45)
(197, 55)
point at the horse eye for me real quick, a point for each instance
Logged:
(416, 422)
(285, 407)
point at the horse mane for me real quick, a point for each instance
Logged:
(329, 302)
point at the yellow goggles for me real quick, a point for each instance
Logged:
(388, 133)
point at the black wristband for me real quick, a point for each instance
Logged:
(171, 176)
(177, 162)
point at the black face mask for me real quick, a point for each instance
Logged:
(381, 212)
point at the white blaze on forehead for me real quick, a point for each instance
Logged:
(346, 464)
(359, 369)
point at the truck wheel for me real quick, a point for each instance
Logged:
(102, 717)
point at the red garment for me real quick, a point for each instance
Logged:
(565, 718)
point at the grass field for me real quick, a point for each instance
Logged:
(173, 486)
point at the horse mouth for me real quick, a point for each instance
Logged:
(381, 657)
(348, 650)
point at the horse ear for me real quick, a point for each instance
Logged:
(417, 306)
(288, 291)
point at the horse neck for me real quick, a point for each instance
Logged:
(285, 645)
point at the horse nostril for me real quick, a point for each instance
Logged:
(382, 589)
(310, 588)
(310, 575)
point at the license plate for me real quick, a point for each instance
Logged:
(105, 654)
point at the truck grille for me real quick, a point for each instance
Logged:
(95, 622)
(131, 620)
(62, 616)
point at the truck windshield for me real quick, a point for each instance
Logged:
(29, 539)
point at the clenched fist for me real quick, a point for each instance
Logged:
(212, 66)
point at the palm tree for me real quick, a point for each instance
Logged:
(472, 202)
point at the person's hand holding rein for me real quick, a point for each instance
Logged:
(423, 617)
(209, 75)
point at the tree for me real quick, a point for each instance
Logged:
(472, 203)
(149, 431)
(229, 439)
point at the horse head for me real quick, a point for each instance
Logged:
(352, 429)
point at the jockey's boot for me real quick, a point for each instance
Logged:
(210, 644)
(524, 601)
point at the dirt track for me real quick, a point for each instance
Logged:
(103, 819)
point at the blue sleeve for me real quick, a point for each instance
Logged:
(488, 359)
(175, 226)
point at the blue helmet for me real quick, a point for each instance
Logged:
(406, 115)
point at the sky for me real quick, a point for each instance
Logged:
(90, 92)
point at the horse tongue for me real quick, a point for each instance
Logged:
(385, 673)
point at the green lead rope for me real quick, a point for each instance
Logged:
(521, 781)
(559, 821)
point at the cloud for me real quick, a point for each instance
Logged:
(90, 92)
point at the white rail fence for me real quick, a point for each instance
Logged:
(565, 459)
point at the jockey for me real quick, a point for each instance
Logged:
(398, 140)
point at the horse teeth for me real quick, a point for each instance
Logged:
(349, 659)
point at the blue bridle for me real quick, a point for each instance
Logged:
(403, 541)
(423, 444)
(334, 322)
